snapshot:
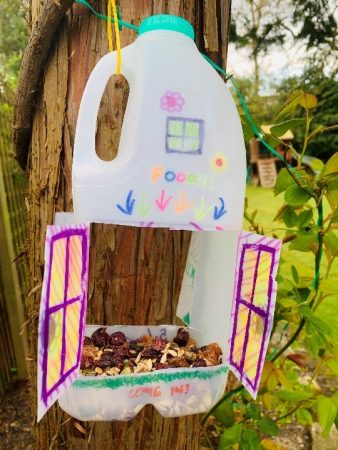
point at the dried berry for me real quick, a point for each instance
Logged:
(200, 362)
(87, 362)
(136, 346)
(117, 338)
(122, 351)
(150, 353)
(106, 360)
(160, 366)
(181, 337)
(100, 338)
(159, 344)
(110, 360)
(87, 340)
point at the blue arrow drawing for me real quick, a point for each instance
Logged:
(219, 212)
(129, 206)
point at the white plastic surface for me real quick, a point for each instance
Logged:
(173, 392)
(208, 284)
(181, 158)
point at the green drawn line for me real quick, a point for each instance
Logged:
(153, 377)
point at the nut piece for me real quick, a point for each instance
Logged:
(144, 366)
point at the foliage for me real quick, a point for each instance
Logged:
(258, 25)
(13, 38)
(326, 90)
(305, 226)
(318, 24)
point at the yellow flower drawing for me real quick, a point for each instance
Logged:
(219, 163)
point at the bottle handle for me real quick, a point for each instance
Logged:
(84, 144)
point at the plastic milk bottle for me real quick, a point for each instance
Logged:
(181, 158)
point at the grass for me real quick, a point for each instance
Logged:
(267, 205)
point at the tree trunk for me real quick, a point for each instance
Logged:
(135, 274)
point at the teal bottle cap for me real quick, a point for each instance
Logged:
(167, 22)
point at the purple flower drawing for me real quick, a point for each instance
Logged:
(172, 102)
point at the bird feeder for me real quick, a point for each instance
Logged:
(180, 165)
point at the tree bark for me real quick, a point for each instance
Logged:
(135, 274)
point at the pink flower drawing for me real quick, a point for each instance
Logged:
(172, 102)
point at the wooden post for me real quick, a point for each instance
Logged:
(135, 274)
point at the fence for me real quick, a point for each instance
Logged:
(13, 271)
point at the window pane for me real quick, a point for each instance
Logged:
(253, 351)
(54, 348)
(238, 337)
(263, 280)
(248, 270)
(191, 145)
(175, 144)
(72, 333)
(57, 280)
(75, 267)
(192, 129)
(175, 128)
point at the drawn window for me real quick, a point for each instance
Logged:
(252, 311)
(65, 304)
(184, 135)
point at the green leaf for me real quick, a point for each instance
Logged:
(295, 274)
(230, 436)
(296, 196)
(308, 101)
(293, 396)
(334, 218)
(225, 414)
(289, 106)
(332, 193)
(284, 180)
(305, 311)
(311, 344)
(316, 164)
(304, 218)
(331, 167)
(253, 411)
(271, 140)
(327, 411)
(331, 242)
(281, 128)
(304, 243)
(329, 287)
(247, 129)
(250, 440)
(320, 325)
(303, 416)
(289, 217)
(332, 364)
(268, 426)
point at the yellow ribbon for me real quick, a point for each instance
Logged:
(112, 7)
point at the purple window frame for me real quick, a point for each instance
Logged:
(184, 120)
(265, 314)
(66, 234)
